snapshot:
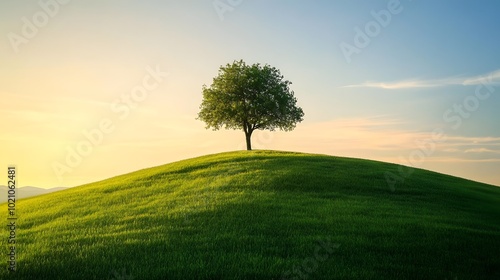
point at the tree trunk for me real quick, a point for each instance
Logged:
(249, 143)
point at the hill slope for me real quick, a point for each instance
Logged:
(262, 215)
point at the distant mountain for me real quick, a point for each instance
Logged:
(28, 191)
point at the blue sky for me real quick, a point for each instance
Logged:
(406, 81)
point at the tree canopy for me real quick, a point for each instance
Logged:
(249, 97)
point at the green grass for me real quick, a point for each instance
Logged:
(258, 215)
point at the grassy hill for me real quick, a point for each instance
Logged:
(262, 215)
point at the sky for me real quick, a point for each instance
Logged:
(94, 89)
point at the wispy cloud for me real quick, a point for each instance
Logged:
(463, 160)
(482, 150)
(461, 141)
(386, 138)
(492, 78)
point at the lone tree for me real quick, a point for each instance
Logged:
(249, 97)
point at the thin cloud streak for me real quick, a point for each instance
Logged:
(462, 160)
(482, 150)
(382, 138)
(492, 78)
